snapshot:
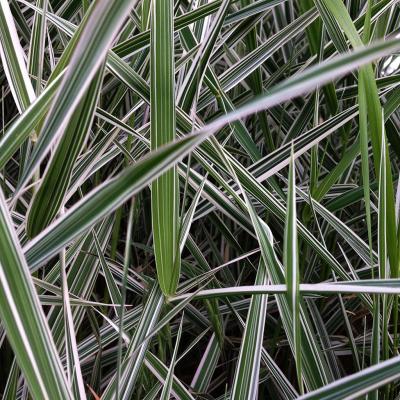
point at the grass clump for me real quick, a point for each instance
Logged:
(199, 199)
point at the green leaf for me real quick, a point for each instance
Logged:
(245, 383)
(37, 46)
(291, 263)
(165, 189)
(360, 383)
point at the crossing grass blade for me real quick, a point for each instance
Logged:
(50, 195)
(92, 44)
(358, 384)
(105, 198)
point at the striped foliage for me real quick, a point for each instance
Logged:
(199, 199)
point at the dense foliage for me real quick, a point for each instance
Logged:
(199, 199)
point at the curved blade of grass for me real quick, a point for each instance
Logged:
(372, 286)
(24, 321)
(360, 383)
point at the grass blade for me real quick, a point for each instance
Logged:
(245, 384)
(291, 263)
(165, 189)
(25, 324)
